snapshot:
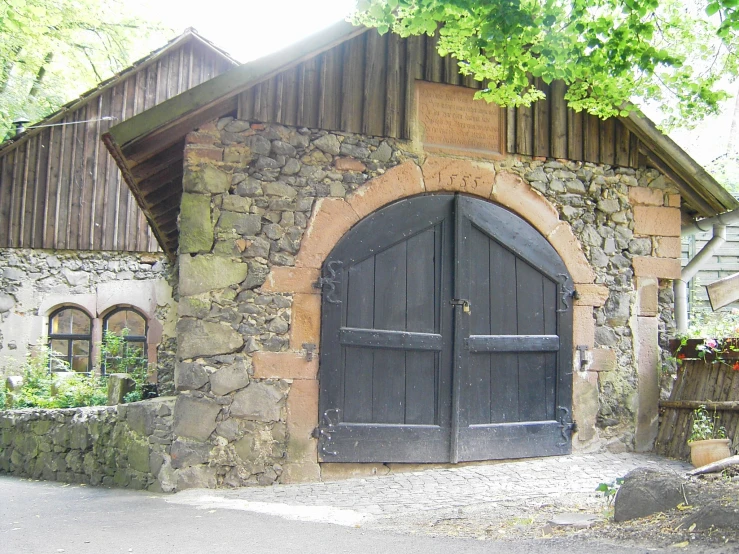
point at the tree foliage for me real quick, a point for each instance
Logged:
(52, 50)
(609, 52)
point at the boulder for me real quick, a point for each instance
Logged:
(647, 491)
(258, 401)
(119, 385)
(203, 338)
(207, 272)
(195, 418)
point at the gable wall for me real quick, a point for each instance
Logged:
(59, 187)
(366, 85)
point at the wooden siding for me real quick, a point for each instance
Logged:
(366, 85)
(60, 188)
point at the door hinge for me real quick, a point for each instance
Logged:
(567, 291)
(324, 432)
(329, 283)
(566, 427)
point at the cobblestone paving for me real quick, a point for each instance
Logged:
(515, 481)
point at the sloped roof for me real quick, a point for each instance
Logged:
(151, 134)
(188, 35)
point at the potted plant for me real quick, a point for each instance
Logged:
(708, 442)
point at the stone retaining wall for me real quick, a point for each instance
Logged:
(264, 204)
(122, 446)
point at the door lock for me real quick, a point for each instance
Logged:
(462, 302)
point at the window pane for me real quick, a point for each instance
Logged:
(80, 323)
(136, 324)
(116, 322)
(80, 348)
(58, 361)
(61, 323)
(80, 363)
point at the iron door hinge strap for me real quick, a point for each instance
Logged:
(566, 427)
(567, 291)
(329, 283)
(324, 432)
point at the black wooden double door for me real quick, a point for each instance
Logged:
(446, 337)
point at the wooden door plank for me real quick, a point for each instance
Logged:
(550, 298)
(531, 374)
(388, 402)
(422, 306)
(357, 401)
(476, 392)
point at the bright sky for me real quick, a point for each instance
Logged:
(246, 29)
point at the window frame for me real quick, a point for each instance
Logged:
(70, 338)
(140, 339)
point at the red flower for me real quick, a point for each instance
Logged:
(681, 356)
(735, 367)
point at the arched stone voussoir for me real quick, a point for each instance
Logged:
(454, 175)
(331, 219)
(398, 182)
(512, 192)
(566, 244)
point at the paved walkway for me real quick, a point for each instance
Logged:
(563, 478)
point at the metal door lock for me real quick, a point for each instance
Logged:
(462, 302)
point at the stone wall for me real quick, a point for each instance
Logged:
(264, 204)
(35, 282)
(122, 446)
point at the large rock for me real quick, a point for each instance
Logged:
(258, 401)
(208, 272)
(142, 417)
(189, 453)
(196, 477)
(189, 376)
(196, 228)
(7, 303)
(203, 338)
(229, 378)
(243, 224)
(119, 385)
(195, 418)
(646, 491)
(206, 179)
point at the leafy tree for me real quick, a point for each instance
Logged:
(53, 50)
(609, 52)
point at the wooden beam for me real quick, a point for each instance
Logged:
(724, 291)
(686, 191)
(710, 405)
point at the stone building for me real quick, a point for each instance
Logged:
(373, 268)
(76, 252)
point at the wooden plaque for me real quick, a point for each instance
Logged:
(451, 120)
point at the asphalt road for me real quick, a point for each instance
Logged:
(45, 517)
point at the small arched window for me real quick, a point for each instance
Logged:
(70, 340)
(124, 340)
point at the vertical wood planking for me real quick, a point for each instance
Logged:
(608, 141)
(503, 321)
(541, 121)
(308, 100)
(451, 70)
(395, 104)
(388, 401)
(591, 139)
(524, 131)
(90, 140)
(264, 101)
(434, 62)
(622, 145)
(289, 103)
(373, 116)
(7, 163)
(29, 187)
(510, 122)
(529, 293)
(549, 290)
(359, 361)
(352, 84)
(245, 110)
(633, 151)
(40, 199)
(558, 118)
(329, 105)
(50, 208)
(415, 46)
(477, 387)
(16, 201)
(422, 304)
(575, 135)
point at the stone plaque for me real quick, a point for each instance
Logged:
(451, 120)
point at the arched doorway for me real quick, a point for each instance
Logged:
(446, 336)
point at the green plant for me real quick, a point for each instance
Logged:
(609, 490)
(121, 356)
(43, 389)
(705, 426)
(3, 395)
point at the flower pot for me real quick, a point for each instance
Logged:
(708, 451)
